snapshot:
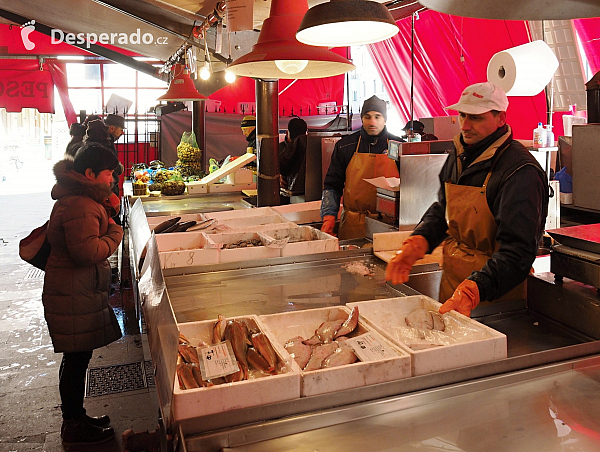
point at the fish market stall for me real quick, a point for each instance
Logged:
(287, 297)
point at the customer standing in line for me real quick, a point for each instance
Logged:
(82, 236)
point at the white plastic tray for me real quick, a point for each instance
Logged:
(473, 343)
(282, 327)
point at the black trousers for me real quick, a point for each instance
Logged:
(71, 386)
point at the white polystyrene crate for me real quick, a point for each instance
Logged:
(196, 188)
(186, 249)
(242, 254)
(253, 224)
(155, 221)
(241, 213)
(282, 327)
(301, 213)
(471, 342)
(191, 403)
(304, 240)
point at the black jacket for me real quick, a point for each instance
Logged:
(517, 195)
(343, 151)
(292, 163)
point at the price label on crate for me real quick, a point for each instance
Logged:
(217, 360)
(370, 347)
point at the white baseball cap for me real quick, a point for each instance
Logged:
(481, 98)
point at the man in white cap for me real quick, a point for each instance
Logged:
(358, 156)
(491, 210)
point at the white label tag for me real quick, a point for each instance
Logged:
(370, 347)
(217, 360)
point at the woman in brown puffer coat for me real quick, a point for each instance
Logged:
(82, 236)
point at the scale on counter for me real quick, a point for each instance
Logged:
(577, 254)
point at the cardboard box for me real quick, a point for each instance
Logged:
(468, 342)
(304, 240)
(192, 403)
(282, 327)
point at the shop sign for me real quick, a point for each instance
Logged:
(26, 89)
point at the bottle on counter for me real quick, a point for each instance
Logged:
(539, 136)
(549, 139)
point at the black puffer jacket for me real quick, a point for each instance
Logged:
(517, 195)
(333, 186)
(77, 279)
(292, 164)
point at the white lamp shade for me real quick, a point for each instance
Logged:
(524, 70)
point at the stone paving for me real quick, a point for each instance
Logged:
(30, 417)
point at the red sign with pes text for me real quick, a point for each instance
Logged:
(26, 88)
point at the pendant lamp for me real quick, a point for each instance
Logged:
(279, 55)
(516, 9)
(346, 23)
(181, 87)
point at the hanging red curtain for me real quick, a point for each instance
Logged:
(451, 52)
(59, 76)
(589, 34)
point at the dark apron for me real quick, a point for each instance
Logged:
(360, 197)
(472, 236)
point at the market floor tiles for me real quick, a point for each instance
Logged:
(30, 417)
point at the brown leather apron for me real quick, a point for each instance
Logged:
(360, 197)
(472, 236)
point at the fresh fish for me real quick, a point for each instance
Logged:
(319, 353)
(236, 376)
(186, 377)
(422, 319)
(189, 354)
(183, 340)
(327, 330)
(166, 225)
(219, 329)
(298, 350)
(349, 325)
(185, 225)
(256, 361)
(198, 377)
(171, 228)
(264, 347)
(343, 355)
(315, 340)
(236, 334)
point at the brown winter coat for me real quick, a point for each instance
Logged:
(77, 280)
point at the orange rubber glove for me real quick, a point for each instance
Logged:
(464, 299)
(328, 224)
(413, 249)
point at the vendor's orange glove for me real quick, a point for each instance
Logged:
(464, 299)
(328, 224)
(413, 249)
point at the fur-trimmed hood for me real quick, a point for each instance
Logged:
(71, 183)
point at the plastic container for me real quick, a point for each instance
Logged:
(538, 136)
(549, 137)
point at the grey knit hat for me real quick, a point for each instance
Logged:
(374, 103)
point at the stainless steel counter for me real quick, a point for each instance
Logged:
(551, 409)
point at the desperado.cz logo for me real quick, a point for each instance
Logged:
(87, 39)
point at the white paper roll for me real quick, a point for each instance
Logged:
(523, 70)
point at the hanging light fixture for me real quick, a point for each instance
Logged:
(346, 23)
(205, 71)
(279, 55)
(229, 76)
(181, 87)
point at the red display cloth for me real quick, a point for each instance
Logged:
(451, 53)
(23, 85)
(589, 34)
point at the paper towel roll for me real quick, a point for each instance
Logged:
(523, 70)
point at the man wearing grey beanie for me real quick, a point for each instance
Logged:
(358, 156)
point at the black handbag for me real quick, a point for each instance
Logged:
(35, 248)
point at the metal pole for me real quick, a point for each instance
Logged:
(198, 127)
(267, 137)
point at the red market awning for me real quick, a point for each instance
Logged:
(24, 85)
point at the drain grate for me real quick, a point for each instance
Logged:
(120, 378)
(34, 273)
